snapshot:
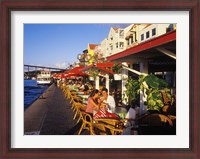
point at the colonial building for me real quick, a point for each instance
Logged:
(120, 39)
(105, 47)
(153, 30)
(116, 41)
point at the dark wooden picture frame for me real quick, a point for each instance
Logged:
(110, 5)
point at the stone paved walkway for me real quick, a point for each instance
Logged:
(51, 115)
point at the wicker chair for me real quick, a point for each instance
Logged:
(75, 99)
(87, 123)
(79, 107)
(108, 126)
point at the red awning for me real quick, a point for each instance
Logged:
(163, 39)
(77, 71)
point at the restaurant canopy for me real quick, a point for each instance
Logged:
(76, 71)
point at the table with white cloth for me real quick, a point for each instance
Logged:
(84, 97)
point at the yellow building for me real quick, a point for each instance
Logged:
(91, 48)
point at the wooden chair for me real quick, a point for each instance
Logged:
(87, 123)
(75, 99)
(108, 126)
(79, 107)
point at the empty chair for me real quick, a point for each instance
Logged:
(108, 126)
(87, 123)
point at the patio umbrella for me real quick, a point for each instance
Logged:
(77, 71)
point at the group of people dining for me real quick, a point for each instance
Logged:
(100, 104)
(103, 106)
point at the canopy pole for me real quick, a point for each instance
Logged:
(97, 82)
(124, 82)
(107, 82)
(167, 52)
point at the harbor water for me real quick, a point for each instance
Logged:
(32, 91)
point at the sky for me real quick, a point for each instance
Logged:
(57, 45)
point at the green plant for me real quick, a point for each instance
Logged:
(132, 90)
(117, 68)
(152, 88)
(94, 73)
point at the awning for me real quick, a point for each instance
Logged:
(76, 71)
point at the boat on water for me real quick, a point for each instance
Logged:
(44, 77)
(33, 78)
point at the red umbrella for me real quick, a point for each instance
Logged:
(77, 71)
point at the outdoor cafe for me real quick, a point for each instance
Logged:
(147, 84)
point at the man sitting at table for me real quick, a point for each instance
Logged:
(108, 99)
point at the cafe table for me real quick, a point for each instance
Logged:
(84, 97)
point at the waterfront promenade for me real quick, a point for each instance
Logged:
(51, 114)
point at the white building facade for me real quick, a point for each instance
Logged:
(120, 39)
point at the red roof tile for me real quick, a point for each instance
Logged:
(92, 46)
(115, 29)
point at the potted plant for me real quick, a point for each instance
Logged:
(117, 69)
(152, 88)
(93, 73)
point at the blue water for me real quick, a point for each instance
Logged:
(32, 91)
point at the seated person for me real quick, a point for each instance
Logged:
(131, 116)
(93, 104)
(130, 120)
(86, 88)
(108, 99)
(81, 86)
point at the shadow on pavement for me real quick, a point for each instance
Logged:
(74, 129)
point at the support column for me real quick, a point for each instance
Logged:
(124, 82)
(143, 69)
(107, 82)
(97, 82)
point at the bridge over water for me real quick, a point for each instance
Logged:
(31, 68)
(43, 67)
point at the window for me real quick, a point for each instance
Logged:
(153, 31)
(116, 45)
(128, 42)
(147, 35)
(170, 28)
(111, 48)
(121, 44)
(121, 33)
(131, 40)
(142, 37)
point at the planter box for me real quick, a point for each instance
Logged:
(91, 78)
(117, 77)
